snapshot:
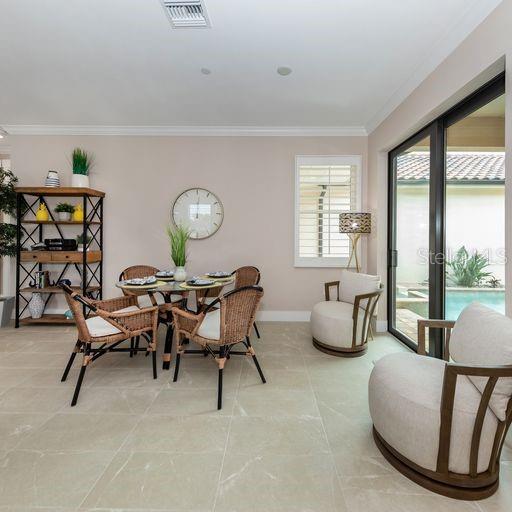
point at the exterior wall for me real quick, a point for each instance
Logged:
(475, 218)
(253, 176)
(477, 59)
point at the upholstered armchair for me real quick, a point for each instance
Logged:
(340, 326)
(443, 423)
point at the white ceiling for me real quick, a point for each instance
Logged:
(119, 63)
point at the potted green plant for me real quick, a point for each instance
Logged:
(178, 238)
(7, 234)
(64, 211)
(82, 163)
(80, 241)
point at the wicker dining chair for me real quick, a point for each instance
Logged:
(218, 328)
(145, 299)
(247, 276)
(113, 321)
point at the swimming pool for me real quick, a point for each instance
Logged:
(416, 300)
(457, 300)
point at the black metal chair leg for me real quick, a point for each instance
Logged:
(154, 364)
(256, 329)
(71, 360)
(258, 367)
(137, 343)
(168, 347)
(219, 390)
(132, 346)
(80, 377)
(177, 367)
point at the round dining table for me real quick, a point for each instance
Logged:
(167, 288)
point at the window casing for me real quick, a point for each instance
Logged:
(325, 186)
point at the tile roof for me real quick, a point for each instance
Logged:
(460, 166)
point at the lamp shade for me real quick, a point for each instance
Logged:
(355, 222)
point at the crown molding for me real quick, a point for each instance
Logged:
(475, 14)
(209, 131)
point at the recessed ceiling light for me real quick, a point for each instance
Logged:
(284, 70)
(206, 71)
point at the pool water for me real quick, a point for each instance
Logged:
(457, 300)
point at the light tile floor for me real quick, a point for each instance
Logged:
(301, 442)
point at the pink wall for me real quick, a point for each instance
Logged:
(477, 59)
(253, 176)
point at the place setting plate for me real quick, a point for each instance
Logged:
(219, 276)
(165, 275)
(198, 282)
(141, 283)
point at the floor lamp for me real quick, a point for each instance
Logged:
(355, 224)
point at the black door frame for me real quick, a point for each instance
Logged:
(437, 190)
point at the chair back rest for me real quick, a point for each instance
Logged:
(237, 313)
(135, 272)
(483, 337)
(354, 283)
(76, 304)
(246, 276)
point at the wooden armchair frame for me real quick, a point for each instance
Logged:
(237, 311)
(473, 485)
(359, 346)
(142, 322)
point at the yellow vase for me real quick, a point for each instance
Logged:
(78, 214)
(42, 213)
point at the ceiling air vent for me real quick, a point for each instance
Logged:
(186, 13)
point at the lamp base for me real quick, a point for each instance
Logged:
(354, 239)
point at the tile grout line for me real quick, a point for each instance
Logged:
(227, 437)
(338, 478)
(116, 453)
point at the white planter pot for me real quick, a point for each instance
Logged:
(6, 309)
(180, 274)
(80, 180)
(64, 216)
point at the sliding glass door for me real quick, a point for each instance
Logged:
(446, 217)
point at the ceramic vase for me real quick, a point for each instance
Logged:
(180, 274)
(80, 180)
(65, 216)
(36, 305)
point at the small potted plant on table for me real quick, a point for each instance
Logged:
(80, 242)
(178, 240)
(64, 211)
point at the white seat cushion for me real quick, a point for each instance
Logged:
(99, 327)
(144, 300)
(405, 400)
(331, 323)
(354, 283)
(210, 326)
(482, 336)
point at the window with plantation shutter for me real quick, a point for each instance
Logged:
(325, 186)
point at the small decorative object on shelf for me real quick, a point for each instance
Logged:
(78, 213)
(41, 279)
(80, 242)
(42, 214)
(82, 163)
(52, 179)
(36, 305)
(64, 211)
(178, 238)
(68, 314)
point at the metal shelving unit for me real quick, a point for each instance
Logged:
(88, 263)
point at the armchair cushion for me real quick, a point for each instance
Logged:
(210, 326)
(99, 327)
(332, 324)
(353, 283)
(483, 337)
(405, 401)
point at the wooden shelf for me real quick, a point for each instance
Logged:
(47, 319)
(60, 191)
(60, 256)
(56, 289)
(69, 222)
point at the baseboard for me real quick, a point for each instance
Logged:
(283, 316)
(382, 326)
